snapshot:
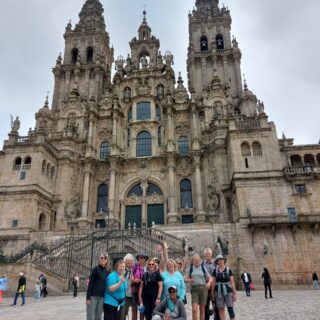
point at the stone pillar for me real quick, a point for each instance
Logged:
(201, 216)
(67, 84)
(56, 92)
(195, 141)
(237, 58)
(173, 215)
(113, 220)
(170, 139)
(84, 219)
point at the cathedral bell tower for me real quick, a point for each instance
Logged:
(87, 60)
(211, 49)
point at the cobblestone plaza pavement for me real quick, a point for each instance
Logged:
(302, 305)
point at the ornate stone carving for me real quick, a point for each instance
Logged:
(143, 87)
(213, 199)
(71, 208)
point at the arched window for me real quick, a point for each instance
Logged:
(27, 160)
(185, 194)
(158, 112)
(219, 42)
(144, 110)
(309, 160)
(136, 191)
(204, 43)
(42, 222)
(104, 150)
(53, 171)
(183, 145)
(129, 114)
(296, 160)
(74, 55)
(89, 55)
(18, 161)
(144, 144)
(44, 166)
(153, 189)
(256, 149)
(159, 136)
(245, 149)
(102, 202)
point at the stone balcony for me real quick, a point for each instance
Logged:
(283, 220)
(292, 172)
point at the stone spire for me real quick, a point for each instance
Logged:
(144, 29)
(91, 17)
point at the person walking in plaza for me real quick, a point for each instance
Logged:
(115, 293)
(150, 289)
(124, 310)
(75, 285)
(171, 307)
(172, 277)
(37, 291)
(223, 288)
(267, 281)
(210, 266)
(96, 288)
(3, 287)
(246, 279)
(200, 282)
(21, 290)
(315, 281)
(44, 285)
(138, 271)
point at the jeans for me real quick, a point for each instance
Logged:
(266, 286)
(95, 308)
(23, 296)
(316, 284)
(110, 312)
(247, 287)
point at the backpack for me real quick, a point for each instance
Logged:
(202, 268)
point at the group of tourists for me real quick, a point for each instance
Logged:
(156, 287)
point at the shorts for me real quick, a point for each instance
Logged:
(224, 300)
(135, 300)
(199, 294)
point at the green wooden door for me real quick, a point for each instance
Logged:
(155, 213)
(133, 215)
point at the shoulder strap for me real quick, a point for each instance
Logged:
(203, 270)
(190, 270)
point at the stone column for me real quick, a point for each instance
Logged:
(237, 58)
(67, 89)
(195, 141)
(113, 219)
(84, 219)
(173, 215)
(56, 92)
(201, 216)
(170, 139)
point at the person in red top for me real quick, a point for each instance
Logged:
(138, 271)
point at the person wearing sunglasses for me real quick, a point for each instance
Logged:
(170, 308)
(150, 288)
(96, 288)
(138, 271)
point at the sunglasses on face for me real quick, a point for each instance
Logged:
(103, 258)
(150, 264)
(172, 291)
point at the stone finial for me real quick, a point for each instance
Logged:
(245, 86)
(59, 60)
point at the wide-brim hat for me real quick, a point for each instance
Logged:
(143, 255)
(220, 257)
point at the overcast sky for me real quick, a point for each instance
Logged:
(279, 40)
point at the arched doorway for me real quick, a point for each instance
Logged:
(144, 205)
(42, 222)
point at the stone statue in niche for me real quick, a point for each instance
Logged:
(260, 107)
(223, 246)
(160, 91)
(71, 209)
(214, 199)
(144, 61)
(127, 94)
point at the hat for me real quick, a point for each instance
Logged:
(172, 287)
(143, 255)
(156, 259)
(219, 257)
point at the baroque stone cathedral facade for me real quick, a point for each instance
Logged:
(140, 149)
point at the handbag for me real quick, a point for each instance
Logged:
(251, 286)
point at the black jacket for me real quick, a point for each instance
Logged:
(22, 282)
(249, 277)
(97, 282)
(314, 276)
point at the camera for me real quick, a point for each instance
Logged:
(211, 312)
